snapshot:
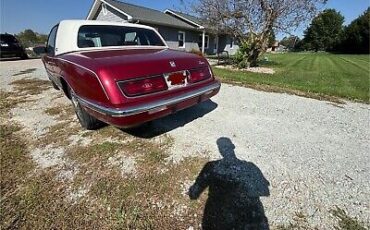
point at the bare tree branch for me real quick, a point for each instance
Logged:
(253, 21)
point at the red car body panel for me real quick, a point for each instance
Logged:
(94, 76)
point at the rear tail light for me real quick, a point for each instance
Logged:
(143, 86)
(201, 74)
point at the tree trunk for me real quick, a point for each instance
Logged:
(253, 57)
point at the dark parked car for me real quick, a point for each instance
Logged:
(10, 47)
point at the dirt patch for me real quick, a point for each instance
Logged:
(33, 98)
(27, 86)
(124, 163)
(63, 110)
(346, 222)
(76, 139)
(37, 124)
(48, 157)
(15, 163)
(9, 101)
(53, 111)
(74, 195)
(26, 105)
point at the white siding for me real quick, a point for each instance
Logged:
(170, 34)
(224, 45)
(111, 15)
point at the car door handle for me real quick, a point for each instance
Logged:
(50, 63)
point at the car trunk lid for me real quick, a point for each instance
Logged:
(141, 63)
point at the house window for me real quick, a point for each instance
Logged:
(181, 39)
(104, 7)
(206, 42)
(231, 43)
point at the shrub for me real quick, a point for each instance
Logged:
(241, 56)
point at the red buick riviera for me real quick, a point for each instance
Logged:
(123, 74)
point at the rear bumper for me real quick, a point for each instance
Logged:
(134, 115)
(11, 53)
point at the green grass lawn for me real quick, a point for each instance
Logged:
(320, 74)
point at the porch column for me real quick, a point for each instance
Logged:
(203, 41)
(216, 45)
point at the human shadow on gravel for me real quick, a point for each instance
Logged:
(235, 188)
(173, 121)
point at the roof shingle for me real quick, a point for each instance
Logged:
(188, 17)
(147, 15)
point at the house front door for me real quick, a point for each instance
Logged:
(215, 42)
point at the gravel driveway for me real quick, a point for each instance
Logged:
(315, 154)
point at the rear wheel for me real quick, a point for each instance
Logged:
(24, 56)
(54, 85)
(86, 120)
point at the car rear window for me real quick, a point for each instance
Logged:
(101, 36)
(8, 39)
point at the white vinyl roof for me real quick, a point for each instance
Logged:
(67, 35)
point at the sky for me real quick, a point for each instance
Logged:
(42, 15)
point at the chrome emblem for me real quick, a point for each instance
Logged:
(172, 64)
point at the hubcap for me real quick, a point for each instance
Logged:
(76, 106)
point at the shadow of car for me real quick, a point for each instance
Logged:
(173, 121)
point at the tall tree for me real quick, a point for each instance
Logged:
(272, 39)
(325, 31)
(252, 21)
(356, 38)
(30, 38)
(290, 42)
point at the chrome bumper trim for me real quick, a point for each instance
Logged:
(133, 110)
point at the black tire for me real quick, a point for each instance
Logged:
(54, 85)
(24, 56)
(86, 120)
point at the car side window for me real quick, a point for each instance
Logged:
(51, 41)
